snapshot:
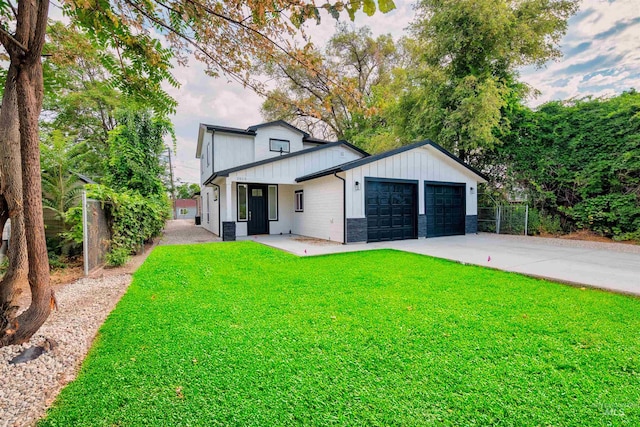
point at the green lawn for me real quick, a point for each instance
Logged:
(241, 334)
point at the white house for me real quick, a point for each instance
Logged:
(273, 178)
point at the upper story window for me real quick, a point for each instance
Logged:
(279, 145)
(208, 149)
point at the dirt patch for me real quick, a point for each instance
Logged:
(314, 241)
(588, 236)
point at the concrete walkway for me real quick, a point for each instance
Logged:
(608, 266)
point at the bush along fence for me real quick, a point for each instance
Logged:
(131, 221)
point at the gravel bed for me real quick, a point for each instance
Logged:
(29, 388)
(570, 243)
(185, 232)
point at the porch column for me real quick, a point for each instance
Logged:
(228, 226)
(227, 199)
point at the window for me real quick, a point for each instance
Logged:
(208, 146)
(279, 145)
(273, 203)
(299, 201)
(243, 197)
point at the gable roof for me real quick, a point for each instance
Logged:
(278, 123)
(226, 172)
(359, 162)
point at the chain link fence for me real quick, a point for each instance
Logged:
(96, 234)
(504, 219)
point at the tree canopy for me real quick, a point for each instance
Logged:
(579, 161)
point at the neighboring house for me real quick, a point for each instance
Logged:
(186, 208)
(273, 178)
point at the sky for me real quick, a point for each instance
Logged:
(601, 58)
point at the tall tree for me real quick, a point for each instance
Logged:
(469, 55)
(136, 146)
(328, 98)
(578, 161)
(225, 35)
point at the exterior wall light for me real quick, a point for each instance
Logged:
(357, 185)
(470, 190)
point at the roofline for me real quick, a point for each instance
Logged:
(226, 172)
(278, 123)
(226, 129)
(355, 163)
(315, 140)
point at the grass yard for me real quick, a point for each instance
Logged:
(241, 334)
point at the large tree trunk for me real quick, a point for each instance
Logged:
(15, 279)
(25, 60)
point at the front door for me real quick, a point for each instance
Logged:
(258, 221)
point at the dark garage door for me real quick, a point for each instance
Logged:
(391, 209)
(445, 209)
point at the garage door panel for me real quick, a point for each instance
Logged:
(445, 209)
(391, 210)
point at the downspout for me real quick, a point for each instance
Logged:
(219, 217)
(344, 207)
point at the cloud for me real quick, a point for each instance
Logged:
(619, 27)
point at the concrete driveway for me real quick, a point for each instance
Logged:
(609, 266)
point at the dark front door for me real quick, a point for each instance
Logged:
(391, 210)
(258, 221)
(445, 209)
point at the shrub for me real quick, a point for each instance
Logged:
(133, 220)
(612, 215)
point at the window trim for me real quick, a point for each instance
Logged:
(279, 140)
(246, 193)
(269, 201)
(299, 207)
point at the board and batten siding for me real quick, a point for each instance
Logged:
(230, 150)
(264, 134)
(206, 157)
(322, 217)
(421, 164)
(210, 205)
(288, 169)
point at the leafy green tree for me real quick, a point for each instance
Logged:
(578, 161)
(336, 94)
(61, 188)
(136, 147)
(187, 190)
(469, 52)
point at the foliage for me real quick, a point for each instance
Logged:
(402, 339)
(579, 161)
(80, 97)
(333, 95)
(136, 146)
(133, 218)
(468, 55)
(226, 36)
(61, 188)
(187, 190)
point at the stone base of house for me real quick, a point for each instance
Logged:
(356, 230)
(228, 231)
(471, 224)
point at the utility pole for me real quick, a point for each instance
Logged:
(173, 188)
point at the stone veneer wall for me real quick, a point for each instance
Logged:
(228, 231)
(356, 230)
(471, 224)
